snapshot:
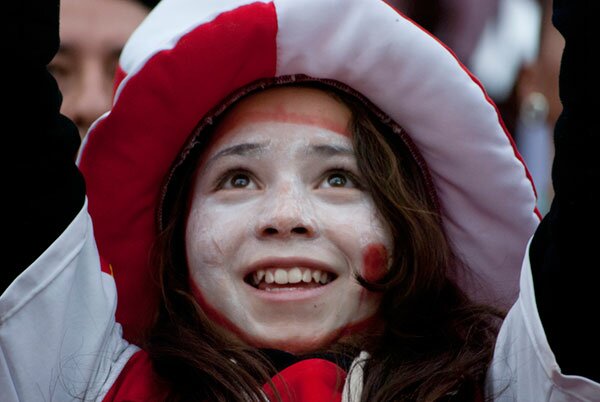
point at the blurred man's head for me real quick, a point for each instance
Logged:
(92, 33)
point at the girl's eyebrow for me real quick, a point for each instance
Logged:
(330, 150)
(244, 149)
(253, 149)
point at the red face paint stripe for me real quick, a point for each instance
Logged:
(288, 117)
(124, 171)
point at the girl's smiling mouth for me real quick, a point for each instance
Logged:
(282, 279)
(290, 273)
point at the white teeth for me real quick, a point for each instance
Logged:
(294, 275)
(285, 276)
(258, 276)
(281, 276)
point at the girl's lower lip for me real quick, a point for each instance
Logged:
(290, 293)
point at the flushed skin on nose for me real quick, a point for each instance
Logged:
(278, 193)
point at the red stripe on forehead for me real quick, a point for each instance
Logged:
(283, 116)
(164, 101)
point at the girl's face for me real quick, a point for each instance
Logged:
(279, 224)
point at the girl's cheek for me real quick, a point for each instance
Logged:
(375, 260)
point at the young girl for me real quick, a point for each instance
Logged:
(297, 200)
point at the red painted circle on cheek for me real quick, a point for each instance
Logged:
(375, 259)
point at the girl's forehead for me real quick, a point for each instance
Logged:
(294, 105)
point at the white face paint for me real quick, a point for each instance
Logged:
(279, 224)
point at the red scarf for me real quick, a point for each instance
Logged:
(311, 380)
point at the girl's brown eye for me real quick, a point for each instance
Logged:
(239, 180)
(337, 180)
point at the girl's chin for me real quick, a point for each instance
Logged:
(295, 344)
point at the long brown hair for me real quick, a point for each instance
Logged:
(435, 345)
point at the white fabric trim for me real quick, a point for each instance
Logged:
(353, 386)
(58, 337)
(524, 368)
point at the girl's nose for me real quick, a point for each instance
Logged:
(287, 214)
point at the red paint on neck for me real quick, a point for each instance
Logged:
(375, 259)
